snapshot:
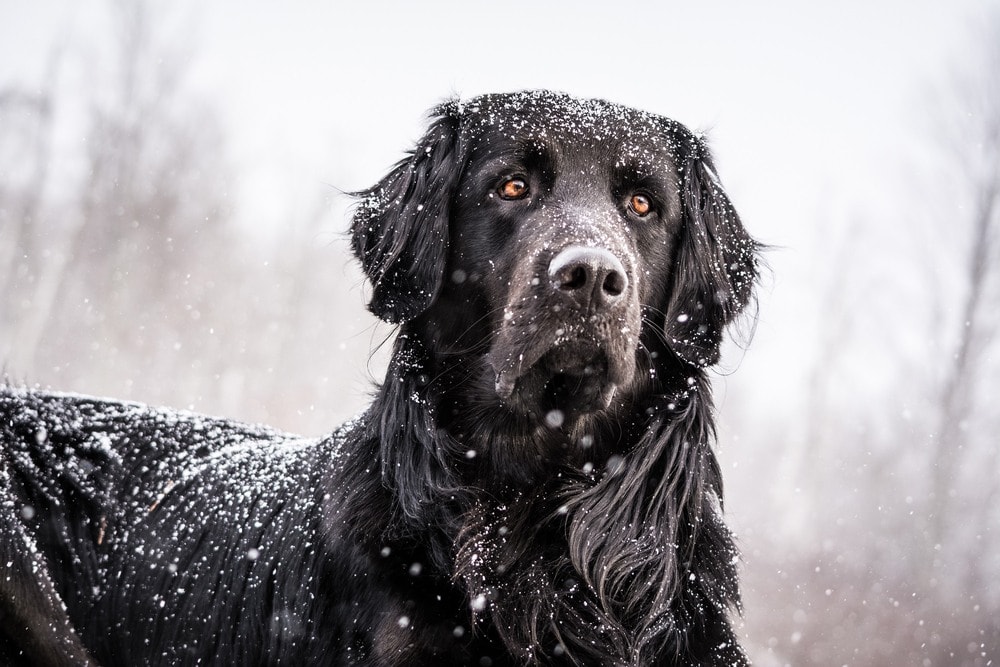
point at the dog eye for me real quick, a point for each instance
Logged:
(514, 188)
(640, 204)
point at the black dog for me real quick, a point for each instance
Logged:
(533, 484)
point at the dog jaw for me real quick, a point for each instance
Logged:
(552, 358)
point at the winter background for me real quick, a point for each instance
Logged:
(172, 224)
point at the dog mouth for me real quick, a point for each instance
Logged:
(583, 387)
(571, 378)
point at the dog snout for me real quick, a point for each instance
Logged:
(590, 276)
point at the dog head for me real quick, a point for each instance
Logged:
(563, 241)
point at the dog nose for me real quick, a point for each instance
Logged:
(589, 275)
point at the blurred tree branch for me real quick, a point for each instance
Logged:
(25, 147)
(972, 135)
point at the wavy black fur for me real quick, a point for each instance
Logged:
(533, 483)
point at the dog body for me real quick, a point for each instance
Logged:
(533, 483)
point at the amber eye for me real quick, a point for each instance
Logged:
(514, 188)
(640, 204)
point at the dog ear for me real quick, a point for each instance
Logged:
(715, 263)
(400, 228)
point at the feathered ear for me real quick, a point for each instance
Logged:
(400, 228)
(715, 264)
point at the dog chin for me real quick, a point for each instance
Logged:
(566, 382)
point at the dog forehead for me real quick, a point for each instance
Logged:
(546, 119)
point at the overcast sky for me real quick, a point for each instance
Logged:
(799, 97)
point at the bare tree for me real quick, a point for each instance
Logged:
(86, 263)
(971, 133)
(898, 561)
(129, 278)
(25, 154)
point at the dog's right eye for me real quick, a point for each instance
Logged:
(640, 204)
(513, 188)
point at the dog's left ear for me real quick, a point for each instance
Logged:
(715, 263)
(400, 228)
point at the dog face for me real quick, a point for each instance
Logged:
(564, 225)
(563, 241)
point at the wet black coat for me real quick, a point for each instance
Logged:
(533, 483)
